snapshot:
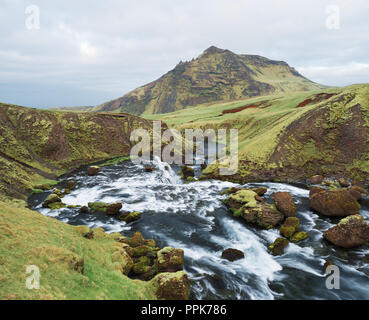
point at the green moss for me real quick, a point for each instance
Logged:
(299, 236)
(98, 206)
(246, 197)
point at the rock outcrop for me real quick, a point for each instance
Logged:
(232, 254)
(350, 232)
(285, 204)
(338, 203)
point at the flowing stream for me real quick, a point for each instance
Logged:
(192, 217)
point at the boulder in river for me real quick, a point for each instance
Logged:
(244, 203)
(130, 216)
(97, 206)
(358, 192)
(187, 172)
(171, 286)
(232, 254)
(52, 198)
(59, 193)
(290, 227)
(170, 259)
(285, 204)
(93, 170)
(350, 232)
(334, 203)
(113, 208)
(149, 169)
(299, 236)
(84, 209)
(278, 246)
(315, 190)
(70, 185)
(317, 179)
(344, 183)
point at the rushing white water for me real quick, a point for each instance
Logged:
(192, 217)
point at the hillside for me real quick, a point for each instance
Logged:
(214, 76)
(291, 137)
(39, 145)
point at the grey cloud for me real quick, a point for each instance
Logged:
(87, 52)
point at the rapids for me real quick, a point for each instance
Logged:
(192, 217)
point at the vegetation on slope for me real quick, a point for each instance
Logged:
(71, 266)
(39, 145)
(215, 75)
(291, 137)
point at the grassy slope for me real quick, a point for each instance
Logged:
(272, 126)
(29, 238)
(38, 145)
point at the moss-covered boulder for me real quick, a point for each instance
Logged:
(278, 246)
(56, 205)
(344, 183)
(284, 203)
(317, 179)
(246, 204)
(232, 254)
(260, 191)
(290, 227)
(144, 250)
(70, 184)
(52, 198)
(299, 236)
(136, 240)
(130, 216)
(334, 203)
(59, 193)
(171, 286)
(350, 232)
(98, 206)
(315, 190)
(187, 171)
(113, 208)
(84, 209)
(170, 259)
(358, 192)
(93, 170)
(142, 265)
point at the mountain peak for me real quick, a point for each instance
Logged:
(214, 50)
(216, 75)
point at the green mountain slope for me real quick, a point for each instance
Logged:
(215, 75)
(291, 137)
(38, 145)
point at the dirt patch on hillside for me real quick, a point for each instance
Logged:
(316, 99)
(249, 106)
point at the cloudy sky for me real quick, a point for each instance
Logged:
(87, 52)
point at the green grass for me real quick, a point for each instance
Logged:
(29, 238)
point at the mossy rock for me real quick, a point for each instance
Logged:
(56, 205)
(136, 240)
(98, 206)
(278, 246)
(52, 198)
(290, 227)
(129, 217)
(299, 236)
(59, 193)
(170, 259)
(171, 286)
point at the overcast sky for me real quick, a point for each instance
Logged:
(88, 52)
